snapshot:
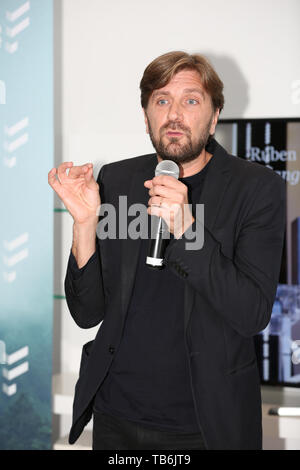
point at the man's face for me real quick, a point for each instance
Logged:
(179, 118)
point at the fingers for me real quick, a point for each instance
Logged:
(166, 193)
(89, 179)
(61, 174)
(148, 184)
(74, 171)
(168, 187)
(158, 201)
(80, 170)
(61, 170)
(85, 171)
(166, 180)
(54, 183)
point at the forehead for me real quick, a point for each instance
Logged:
(184, 79)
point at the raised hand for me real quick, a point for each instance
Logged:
(78, 190)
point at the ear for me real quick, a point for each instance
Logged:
(214, 122)
(146, 121)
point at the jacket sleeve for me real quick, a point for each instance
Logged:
(242, 290)
(84, 286)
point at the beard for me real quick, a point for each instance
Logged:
(176, 151)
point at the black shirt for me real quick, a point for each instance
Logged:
(149, 380)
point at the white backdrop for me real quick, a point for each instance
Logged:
(254, 46)
(101, 51)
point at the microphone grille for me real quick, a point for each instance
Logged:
(167, 167)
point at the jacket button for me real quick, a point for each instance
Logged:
(111, 349)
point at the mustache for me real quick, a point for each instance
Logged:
(175, 126)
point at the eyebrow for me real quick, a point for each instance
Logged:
(186, 90)
(194, 90)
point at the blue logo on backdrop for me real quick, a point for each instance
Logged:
(15, 22)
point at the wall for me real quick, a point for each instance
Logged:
(106, 46)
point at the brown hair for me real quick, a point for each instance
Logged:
(161, 70)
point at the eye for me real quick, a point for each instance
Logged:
(162, 101)
(192, 101)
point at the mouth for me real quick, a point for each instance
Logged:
(174, 133)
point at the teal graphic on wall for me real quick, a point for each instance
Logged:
(26, 235)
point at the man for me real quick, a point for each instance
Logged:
(173, 364)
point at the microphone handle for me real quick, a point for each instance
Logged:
(157, 246)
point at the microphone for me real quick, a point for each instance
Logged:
(159, 227)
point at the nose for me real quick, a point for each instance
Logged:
(175, 112)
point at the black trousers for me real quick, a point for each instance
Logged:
(111, 433)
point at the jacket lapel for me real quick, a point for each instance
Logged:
(216, 181)
(215, 184)
(130, 248)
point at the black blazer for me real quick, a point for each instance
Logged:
(230, 286)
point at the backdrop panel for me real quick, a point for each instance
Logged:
(26, 237)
